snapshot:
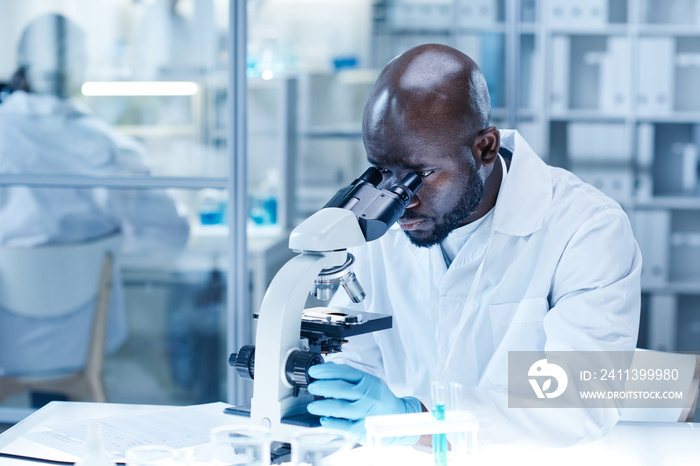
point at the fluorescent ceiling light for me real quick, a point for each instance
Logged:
(140, 88)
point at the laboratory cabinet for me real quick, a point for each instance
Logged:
(606, 89)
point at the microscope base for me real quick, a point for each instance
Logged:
(303, 420)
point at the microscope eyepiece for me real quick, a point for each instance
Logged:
(406, 188)
(412, 182)
(376, 209)
(372, 176)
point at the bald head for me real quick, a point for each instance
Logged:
(428, 115)
(431, 88)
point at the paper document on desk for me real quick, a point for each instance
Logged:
(176, 427)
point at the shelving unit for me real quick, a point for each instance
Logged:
(606, 89)
(331, 151)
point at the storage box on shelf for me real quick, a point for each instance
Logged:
(625, 96)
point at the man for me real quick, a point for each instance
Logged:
(496, 255)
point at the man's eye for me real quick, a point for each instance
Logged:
(425, 173)
(384, 170)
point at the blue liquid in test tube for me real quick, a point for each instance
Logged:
(439, 440)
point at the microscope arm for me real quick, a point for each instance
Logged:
(279, 322)
(279, 326)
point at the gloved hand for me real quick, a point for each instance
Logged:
(353, 395)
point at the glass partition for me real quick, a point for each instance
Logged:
(101, 103)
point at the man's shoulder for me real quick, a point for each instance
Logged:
(537, 195)
(575, 202)
(568, 188)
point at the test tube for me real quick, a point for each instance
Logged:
(438, 393)
(463, 443)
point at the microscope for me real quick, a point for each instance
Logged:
(291, 339)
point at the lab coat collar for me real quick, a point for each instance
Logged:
(526, 195)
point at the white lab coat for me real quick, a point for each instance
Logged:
(41, 134)
(560, 270)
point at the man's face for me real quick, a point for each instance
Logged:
(452, 188)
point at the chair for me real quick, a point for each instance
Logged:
(688, 366)
(50, 281)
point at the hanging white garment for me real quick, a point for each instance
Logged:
(41, 134)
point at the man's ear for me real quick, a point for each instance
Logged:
(486, 146)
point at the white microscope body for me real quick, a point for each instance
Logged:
(323, 239)
(279, 362)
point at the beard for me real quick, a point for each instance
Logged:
(470, 199)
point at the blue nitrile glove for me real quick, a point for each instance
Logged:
(353, 395)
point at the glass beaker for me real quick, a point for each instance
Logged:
(151, 455)
(237, 445)
(317, 447)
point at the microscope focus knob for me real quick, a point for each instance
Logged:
(244, 361)
(298, 364)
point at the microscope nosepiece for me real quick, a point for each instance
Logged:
(323, 286)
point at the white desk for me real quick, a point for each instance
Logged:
(630, 443)
(15, 441)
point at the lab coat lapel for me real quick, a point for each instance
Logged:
(519, 211)
(527, 193)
